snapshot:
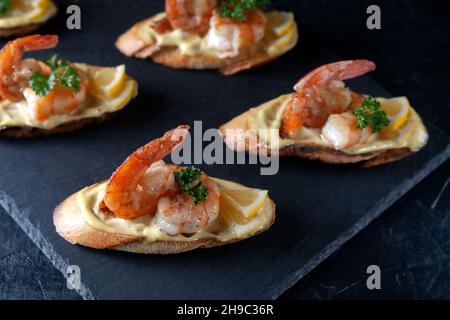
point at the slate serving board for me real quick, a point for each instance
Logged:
(319, 206)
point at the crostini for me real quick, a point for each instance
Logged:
(150, 207)
(324, 120)
(54, 96)
(20, 17)
(231, 36)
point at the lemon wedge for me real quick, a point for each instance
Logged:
(129, 92)
(281, 43)
(280, 22)
(37, 9)
(109, 82)
(239, 204)
(398, 110)
(407, 132)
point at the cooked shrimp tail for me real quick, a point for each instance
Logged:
(13, 78)
(126, 195)
(190, 15)
(322, 93)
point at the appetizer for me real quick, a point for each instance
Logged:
(148, 206)
(19, 17)
(229, 35)
(55, 96)
(324, 120)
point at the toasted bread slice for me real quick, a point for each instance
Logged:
(31, 27)
(321, 153)
(19, 31)
(131, 44)
(70, 224)
(31, 132)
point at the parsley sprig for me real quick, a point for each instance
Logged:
(235, 9)
(186, 179)
(62, 73)
(369, 113)
(5, 5)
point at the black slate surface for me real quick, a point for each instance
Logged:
(410, 242)
(54, 181)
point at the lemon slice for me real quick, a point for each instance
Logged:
(407, 132)
(239, 204)
(280, 22)
(129, 92)
(109, 82)
(38, 9)
(242, 231)
(281, 43)
(398, 110)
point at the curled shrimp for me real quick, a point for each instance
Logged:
(14, 71)
(190, 15)
(322, 93)
(178, 214)
(231, 37)
(59, 101)
(341, 131)
(15, 74)
(136, 187)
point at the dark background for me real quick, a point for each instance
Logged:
(411, 241)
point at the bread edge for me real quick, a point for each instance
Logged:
(33, 132)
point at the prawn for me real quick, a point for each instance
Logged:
(190, 15)
(341, 131)
(231, 37)
(322, 93)
(179, 215)
(15, 74)
(145, 185)
(136, 187)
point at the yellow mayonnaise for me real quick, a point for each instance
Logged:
(90, 198)
(413, 135)
(192, 44)
(17, 114)
(25, 12)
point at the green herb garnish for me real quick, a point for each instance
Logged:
(369, 113)
(235, 9)
(186, 179)
(5, 5)
(62, 73)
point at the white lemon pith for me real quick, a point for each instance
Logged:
(24, 12)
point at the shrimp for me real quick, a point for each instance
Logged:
(145, 185)
(14, 71)
(59, 101)
(15, 74)
(179, 215)
(190, 15)
(322, 93)
(230, 37)
(341, 131)
(136, 187)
